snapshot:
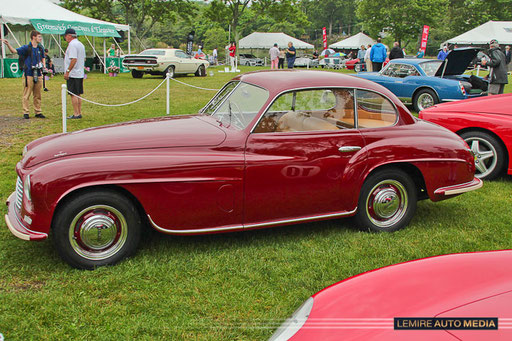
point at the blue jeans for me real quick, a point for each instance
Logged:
(291, 61)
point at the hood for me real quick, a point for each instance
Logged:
(498, 104)
(457, 61)
(163, 132)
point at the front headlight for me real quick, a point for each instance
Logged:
(25, 150)
(26, 187)
(293, 324)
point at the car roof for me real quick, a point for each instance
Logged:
(413, 61)
(280, 81)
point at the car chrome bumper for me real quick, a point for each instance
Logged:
(460, 188)
(16, 226)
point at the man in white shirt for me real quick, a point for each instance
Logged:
(274, 57)
(74, 61)
(214, 53)
(367, 58)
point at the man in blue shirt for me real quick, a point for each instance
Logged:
(290, 55)
(33, 56)
(378, 55)
(443, 53)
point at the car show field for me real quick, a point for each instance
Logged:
(232, 286)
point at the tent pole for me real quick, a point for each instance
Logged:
(3, 50)
(120, 49)
(13, 36)
(58, 44)
(94, 50)
(129, 42)
(104, 55)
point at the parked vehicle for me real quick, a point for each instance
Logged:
(305, 62)
(248, 59)
(426, 82)
(364, 307)
(271, 148)
(486, 125)
(163, 61)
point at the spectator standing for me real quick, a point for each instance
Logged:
(112, 51)
(498, 74)
(443, 53)
(49, 63)
(232, 56)
(508, 56)
(274, 57)
(214, 54)
(378, 55)
(34, 61)
(360, 55)
(290, 55)
(74, 61)
(315, 54)
(367, 58)
(282, 55)
(420, 54)
(396, 51)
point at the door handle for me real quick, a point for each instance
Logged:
(348, 149)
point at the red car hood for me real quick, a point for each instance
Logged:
(176, 131)
(432, 287)
(498, 104)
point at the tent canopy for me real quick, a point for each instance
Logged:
(23, 11)
(261, 40)
(500, 30)
(354, 42)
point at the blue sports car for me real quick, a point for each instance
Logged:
(426, 82)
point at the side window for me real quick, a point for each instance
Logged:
(392, 70)
(309, 110)
(374, 110)
(181, 54)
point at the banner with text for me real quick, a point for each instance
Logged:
(324, 32)
(424, 38)
(82, 29)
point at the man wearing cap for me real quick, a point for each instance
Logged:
(74, 61)
(498, 74)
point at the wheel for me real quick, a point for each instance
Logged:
(489, 154)
(169, 70)
(137, 74)
(387, 201)
(96, 228)
(357, 68)
(201, 71)
(424, 99)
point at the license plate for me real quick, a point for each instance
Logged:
(140, 67)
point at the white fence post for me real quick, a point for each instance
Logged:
(168, 75)
(64, 111)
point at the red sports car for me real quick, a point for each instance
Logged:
(464, 296)
(485, 123)
(271, 148)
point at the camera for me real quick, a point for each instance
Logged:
(37, 69)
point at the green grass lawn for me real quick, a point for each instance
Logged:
(212, 287)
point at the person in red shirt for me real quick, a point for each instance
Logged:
(232, 56)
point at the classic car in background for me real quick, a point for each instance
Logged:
(305, 61)
(363, 307)
(426, 82)
(248, 59)
(354, 64)
(271, 148)
(163, 61)
(486, 125)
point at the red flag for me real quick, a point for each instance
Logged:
(324, 31)
(424, 38)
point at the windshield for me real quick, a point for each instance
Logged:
(153, 53)
(236, 104)
(430, 68)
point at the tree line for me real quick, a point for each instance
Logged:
(216, 22)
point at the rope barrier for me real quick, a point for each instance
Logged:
(193, 86)
(122, 104)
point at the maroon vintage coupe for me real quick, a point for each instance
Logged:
(271, 148)
(485, 123)
(469, 295)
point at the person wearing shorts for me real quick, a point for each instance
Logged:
(74, 61)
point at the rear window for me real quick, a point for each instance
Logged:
(374, 110)
(430, 68)
(153, 53)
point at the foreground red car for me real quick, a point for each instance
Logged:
(271, 148)
(364, 307)
(485, 124)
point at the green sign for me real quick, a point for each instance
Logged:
(11, 68)
(116, 61)
(82, 29)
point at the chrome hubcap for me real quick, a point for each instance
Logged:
(98, 232)
(387, 203)
(485, 156)
(425, 100)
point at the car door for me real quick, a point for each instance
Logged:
(302, 157)
(186, 64)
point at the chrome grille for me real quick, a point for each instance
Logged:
(19, 193)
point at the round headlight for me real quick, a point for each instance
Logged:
(294, 323)
(26, 187)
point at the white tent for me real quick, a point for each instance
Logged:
(499, 30)
(261, 40)
(353, 42)
(53, 18)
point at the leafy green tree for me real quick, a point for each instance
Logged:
(330, 13)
